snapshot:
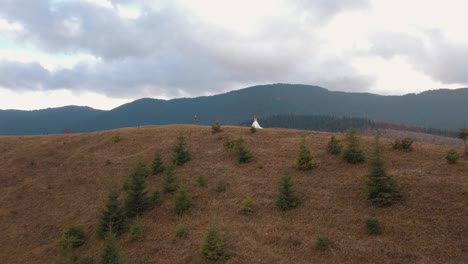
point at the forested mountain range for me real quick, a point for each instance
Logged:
(442, 109)
(341, 124)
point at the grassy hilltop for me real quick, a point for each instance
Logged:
(48, 183)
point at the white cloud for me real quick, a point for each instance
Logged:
(170, 48)
(31, 100)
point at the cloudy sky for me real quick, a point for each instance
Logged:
(103, 53)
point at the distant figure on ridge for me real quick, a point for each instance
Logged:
(195, 119)
(255, 124)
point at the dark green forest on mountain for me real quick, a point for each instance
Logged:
(339, 124)
(441, 109)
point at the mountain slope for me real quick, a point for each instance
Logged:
(443, 109)
(50, 182)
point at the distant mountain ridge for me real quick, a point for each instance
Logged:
(442, 109)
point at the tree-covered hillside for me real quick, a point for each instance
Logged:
(442, 109)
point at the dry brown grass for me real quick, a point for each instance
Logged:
(50, 182)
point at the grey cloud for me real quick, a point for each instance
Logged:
(31, 76)
(333, 74)
(164, 53)
(389, 44)
(431, 53)
(84, 27)
(325, 9)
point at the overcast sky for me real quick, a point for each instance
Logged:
(103, 53)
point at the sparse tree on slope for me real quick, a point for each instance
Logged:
(286, 198)
(110, 253)
(213, 245)
(157, 166)
(352, 153)
(181, 154)
(113, 217)
(304, 159)
(182, 202)
(334, 146)
(463, 135)
(169, 182)
(382, 189)
(137, 198)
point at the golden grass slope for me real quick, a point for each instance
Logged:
(50, 182)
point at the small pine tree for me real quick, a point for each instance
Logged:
(181, 154)
(322, 243)
(136, 230)
(352, 153)
(182, 202)
(137, 200)
(334, 146)
(113, 217)
(229, 143)
(247, 206)
(213, 244)
(140, 170)
(286, 198)
(452, 157)
(373, 226)
(110, 253)
(220, 185)
(216, 128)
(201, 180)
(72, 238)
(304, 159)
(463, 135)
(243, 154)
(155, 199)
(157, 166)
(382, 189)
(252, 130)
(169, 182)
(181, 231)
(404, 144)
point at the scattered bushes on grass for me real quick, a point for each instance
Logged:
(157, 166)
(352, 152)
(382, 189)
(322, 243)
(452, 156)
(155, 199)
(247, 206)
(113, 218)
(334, 146)
(136, 230)
(216, 128)
(201, 180)
(229, 143)
(73, 237)
(373, 226)
(137, 199)
(243, 154)
(181, 154)
(220, 185)
(169, 182)
(110, 253)
(404, 144)
(116, 138)
(286, 198)
(181, 231)
(304, 159)
(182, 202)
(213, 244)
(140, 170)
